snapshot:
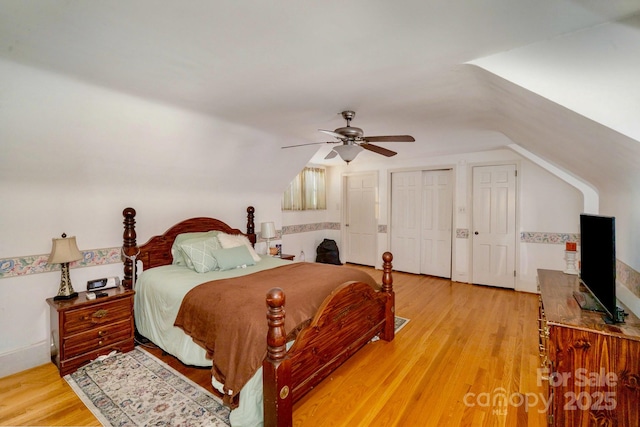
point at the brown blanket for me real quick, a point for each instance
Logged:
(228, 317)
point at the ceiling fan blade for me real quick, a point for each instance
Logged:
(332, 133)
(310, 143)
(389, 138)
(331, 155)
(378, 150)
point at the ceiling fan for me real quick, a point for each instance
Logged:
(354, 141)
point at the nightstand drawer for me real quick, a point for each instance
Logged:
(99, 314)
(100, 336)
(68, 366)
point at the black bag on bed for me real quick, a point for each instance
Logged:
(327, 252)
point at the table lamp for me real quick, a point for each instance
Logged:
(268, 231)
(63, 252)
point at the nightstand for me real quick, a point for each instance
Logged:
(288, 257)
(83, 329)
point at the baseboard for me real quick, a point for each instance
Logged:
(25, 358)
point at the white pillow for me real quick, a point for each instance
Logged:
(233, 240)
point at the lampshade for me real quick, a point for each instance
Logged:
(65, 249)
(348, 152)
(267, 230)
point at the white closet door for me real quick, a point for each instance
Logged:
(361, 222)
(437, 206)
(494, 228)
(405, 221)
(421, 218)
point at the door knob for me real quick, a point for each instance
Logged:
(476, 233)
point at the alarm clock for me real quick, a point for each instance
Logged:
(106, 283)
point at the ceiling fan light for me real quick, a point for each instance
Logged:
(348, 152)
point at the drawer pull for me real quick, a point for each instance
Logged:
(101, 333)
(100, 313)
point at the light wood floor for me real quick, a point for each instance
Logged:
(464, 348)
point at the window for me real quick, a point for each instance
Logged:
(306, 191)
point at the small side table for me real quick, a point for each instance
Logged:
(83, 329)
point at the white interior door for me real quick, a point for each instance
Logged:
(361, 223)
(437, 207)
(405, 221)
(421, 218)
(494, 228)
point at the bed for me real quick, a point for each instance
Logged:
(325, 323)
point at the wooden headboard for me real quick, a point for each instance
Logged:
(157, 251)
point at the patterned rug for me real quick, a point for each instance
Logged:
(400, 322)
(137, 389)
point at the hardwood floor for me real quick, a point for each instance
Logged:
(464, 349)
(39, 397)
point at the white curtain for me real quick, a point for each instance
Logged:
(306, 191)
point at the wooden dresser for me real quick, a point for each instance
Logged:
(83, 329)
(590, 369)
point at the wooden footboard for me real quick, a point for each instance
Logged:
(348, 319)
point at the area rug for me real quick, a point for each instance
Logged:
(400, 322)
(137, 389)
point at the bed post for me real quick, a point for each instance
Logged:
(129, 245)
(278, 400)
(251, 228)
(387, 287)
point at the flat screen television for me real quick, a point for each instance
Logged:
(598, 264)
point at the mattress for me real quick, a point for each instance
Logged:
(159, 293)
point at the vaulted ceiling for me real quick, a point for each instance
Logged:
(435, 69)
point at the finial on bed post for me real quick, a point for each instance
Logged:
(390, 306)
(387, 279)
(276, 368)
(129, 245)
(276, 337)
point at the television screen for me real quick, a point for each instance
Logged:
(598, 259)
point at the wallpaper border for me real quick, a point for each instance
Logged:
(304, 228)
(34, 264)
(629, 277)
(549, 238)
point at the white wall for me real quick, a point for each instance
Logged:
(549, 205)
(579, 116)
(584, 71)
(308, 241)
(73, 156)
(546, 204)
